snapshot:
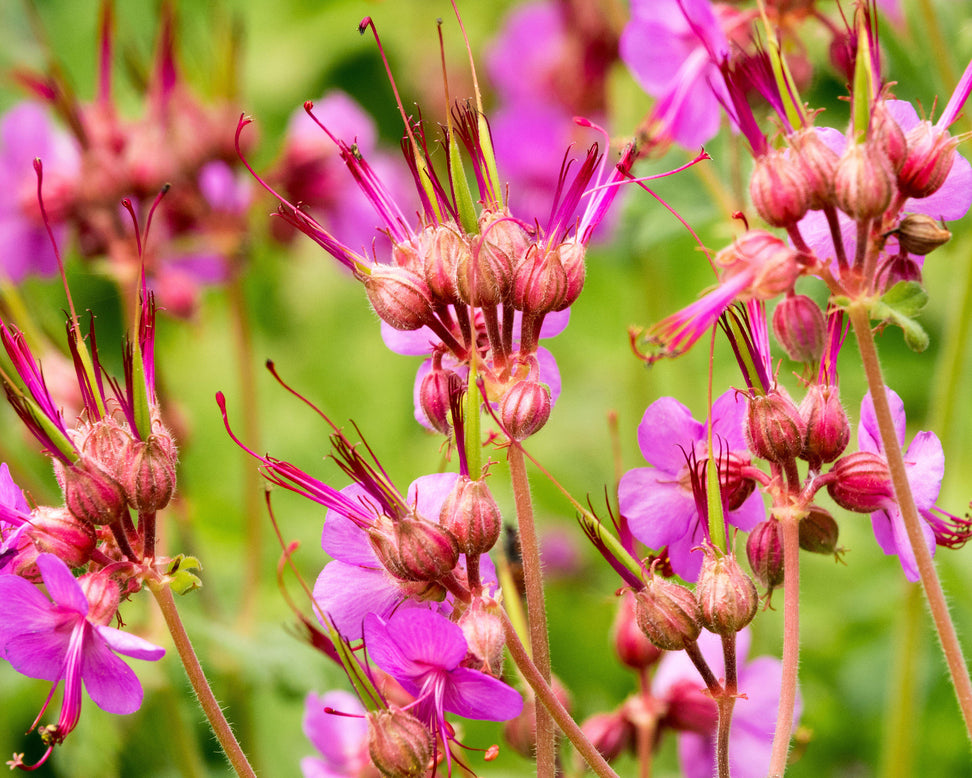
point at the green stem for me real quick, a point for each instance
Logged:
(550, 703)
(791, 642)
(197, 678)
(934, 593)
(899, 735)
(536, 610)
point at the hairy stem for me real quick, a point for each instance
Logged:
(934, 593)
(791, 642)
(207, 700)
(549, 702)
(536, 610)
(726, 703)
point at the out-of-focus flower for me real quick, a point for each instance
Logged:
(341, 738)
(659, 502)
(673, 48)
(692, 711)
(67, 638)
(26, 133)
(925, 467)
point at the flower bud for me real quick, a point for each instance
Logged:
(778, 190)
(931, 154)
(91, 494)
(863, 185)
(107, 442)
(399, 296)
(800, 327)
(414, 549)
(828, 430)
(435, 395)
(56, 531)
(103, 596)
(818, 164)
(862, 482)
(610, 733)
(149, 476)
(727, 596)
(539, 282)
(448, 248)
(399, 744)
(764, 549)
(485, 638)
(887, 135)
(471, 514)
(631, 644)
(525, 408)
(818, 532)
(571, 255)
(773, 264)
(668, 614)
(920, 234)
(485, 275)
(774, 428)
(690, 709)
(505, 234)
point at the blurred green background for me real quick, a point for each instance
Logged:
(314, 321)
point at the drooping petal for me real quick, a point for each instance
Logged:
(126, 643)
(38, 654)
(347, 593)
(750, 513)
(343, 539)
(868, 433)
(728, 415)
(111, 684)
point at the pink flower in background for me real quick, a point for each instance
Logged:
(342, 740)
(27, 132)
(693, 712)
(673, 48)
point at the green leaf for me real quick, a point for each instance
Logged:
(180, 579)
(899, 306)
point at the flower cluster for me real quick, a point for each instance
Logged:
(179, 143)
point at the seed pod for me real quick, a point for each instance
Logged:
(828, 430)
(630, 643)
(800, 327)
(764, 549)
(818, 532)
(471, 514)
(920, 234)
(774, 428)
(525, 408)
(864, 185)
(399, 744)
(400, 297)
(779, 192)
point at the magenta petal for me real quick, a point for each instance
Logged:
(666, 427)
(38, 654)
(409, 343)
(475, 695)
(61, 585)
(953, 199)
(130, 645)
(750, 513)
(11, 495)
(343, 539)
(868, 434)
(340, 739)
(549, 373)
(110, 683)
(347, 593)
(728, 416)
(925, 464)
(686, 552)
(657, 508)
(428, 492)
(417, 639)
(553, 323)
(23, 608)
(892, 537)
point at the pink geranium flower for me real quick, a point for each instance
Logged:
(67, 638)
(659, 502)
